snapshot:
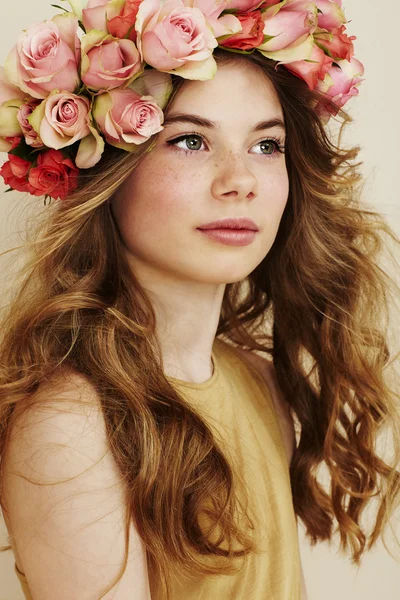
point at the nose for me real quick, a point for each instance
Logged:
(233, 178)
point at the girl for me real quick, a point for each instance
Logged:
(148, 449)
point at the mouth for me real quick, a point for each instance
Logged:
(229, 236)
(231, 224)
(226, 229)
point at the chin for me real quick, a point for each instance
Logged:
(224, 278)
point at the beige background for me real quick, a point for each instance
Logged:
(376, 129)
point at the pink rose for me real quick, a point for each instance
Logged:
(11, 97)
(212, 9)
(340, 84)
(176, 39)
(8, 91)
(54, 175)
(312, 71)
(94, 15)
(45, 57)
(126, 118)
(341, 46)
(32, 138)
(61, 119)
(251, 35)
(290, 29)
(15, 172)
(331, 15)
(105, 15)
(107, 62)
(156, 84)
(244, 5)
(9, 125)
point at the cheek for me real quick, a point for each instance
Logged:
(163, 187)
(284, 190)
(276, 191)
(153, 201)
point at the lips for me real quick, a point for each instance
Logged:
(230, 237)
(235, 223)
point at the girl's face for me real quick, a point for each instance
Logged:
(218, 159)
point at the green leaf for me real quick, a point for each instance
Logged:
(322, 47)
(230, 11)
(71, 151)
(60, 7)
(236, 51)
(267, 38)
(80, 88)
(9, 190)
(23, 150)
(221, 38)
(128, 33)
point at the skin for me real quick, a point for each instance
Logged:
(172, 192)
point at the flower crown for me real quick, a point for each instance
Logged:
(101, 74)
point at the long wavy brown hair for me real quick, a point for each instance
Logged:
(318, 304)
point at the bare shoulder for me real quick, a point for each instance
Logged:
(66, 499)
(65, 386)
(266, 369)
(64, 397)
(62, 409)
(69, 386)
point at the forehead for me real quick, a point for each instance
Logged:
(237, 92)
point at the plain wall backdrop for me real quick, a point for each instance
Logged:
(376, 129)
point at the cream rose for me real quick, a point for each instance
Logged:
(45, 57)
(126, 118)
(61, 119)
(108, 62)
(289, 27)
(176, 38)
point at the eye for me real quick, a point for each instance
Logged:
(271, 146)
(192, 142)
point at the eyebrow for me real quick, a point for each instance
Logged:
(202, 122)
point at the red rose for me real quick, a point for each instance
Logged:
(125, 21)
(15, 141)
(312, 70)
(252, 34)
(341, 45)
(14, 173)
(54, 175)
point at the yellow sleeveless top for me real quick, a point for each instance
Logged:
(237, 405)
